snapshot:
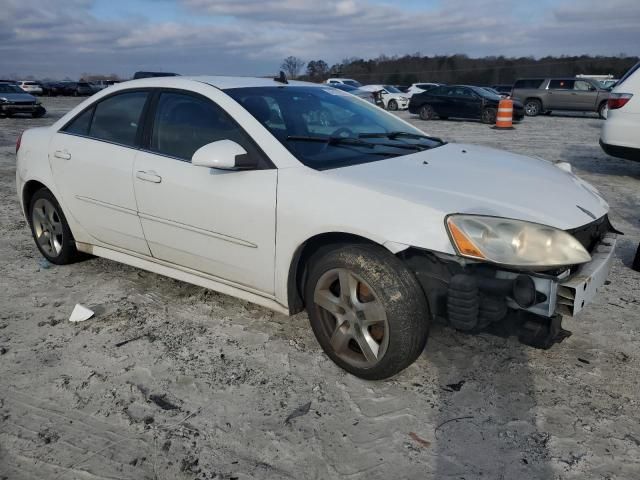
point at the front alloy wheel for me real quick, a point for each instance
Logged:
(366, 309)
(532, 108)
(392, 105)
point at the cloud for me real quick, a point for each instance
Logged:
(252, 36)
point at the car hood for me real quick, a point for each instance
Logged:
(458, 178)
(18, 97)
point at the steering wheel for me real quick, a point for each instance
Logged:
(344, 132)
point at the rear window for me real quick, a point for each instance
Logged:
(117, 118)
(631, 71)
(528, 83)
(80, 124)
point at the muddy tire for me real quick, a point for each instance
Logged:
(427, 112)
(532, 107)
(366, 309)
(50, 229)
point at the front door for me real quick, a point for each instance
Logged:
(218, 222)
(92, 163)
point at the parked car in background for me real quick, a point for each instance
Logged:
(52, 89)
(322, 202)
(102, 84)
(392, 98)
(421, 87)
(460, 101)
(503, 89)
(15, 100)
(495, 92)
(30, 86)
(402, 88)
(346, 81)
(620, 135)
(358, 92)
(543, 95)
(76, 89)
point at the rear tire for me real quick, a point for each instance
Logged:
(361, 294)
(426, 112)
(532, 107)
(50, 229)
(39, 113)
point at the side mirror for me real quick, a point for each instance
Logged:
(224, 155)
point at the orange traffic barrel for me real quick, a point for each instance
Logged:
(504, 119)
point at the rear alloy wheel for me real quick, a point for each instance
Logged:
(427, 112)
(603, 110)
(366, 309)
(50, 229)
(532, 108)
(392, 105)
(489, 116)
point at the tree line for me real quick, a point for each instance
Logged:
(408, 69)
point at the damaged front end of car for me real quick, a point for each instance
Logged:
(528, 301)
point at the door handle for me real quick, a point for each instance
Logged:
(149, 176)
(63, 154)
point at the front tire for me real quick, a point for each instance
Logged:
(392, 105)
(427, 112)
(532, 107)
(50, 229)
(39, 112)
(366, 309)
(489, 116)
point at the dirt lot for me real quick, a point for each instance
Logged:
(206, 383)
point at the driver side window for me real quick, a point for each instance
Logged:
(183, 123)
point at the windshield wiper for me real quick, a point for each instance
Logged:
(354, 142)
(394, 135)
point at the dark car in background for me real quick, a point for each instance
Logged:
(51, 89)
(542, 95)
(76, 89)
(460, 101)
(503, 89)
(15, 100)
(139, 75)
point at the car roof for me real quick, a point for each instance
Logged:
(221, 82)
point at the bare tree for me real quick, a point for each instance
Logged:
(292, 66)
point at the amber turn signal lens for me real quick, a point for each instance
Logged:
(463, 244)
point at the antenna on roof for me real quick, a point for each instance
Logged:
(282, 78)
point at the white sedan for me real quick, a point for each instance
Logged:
(294, 195)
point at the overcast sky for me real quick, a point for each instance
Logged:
(58, 38)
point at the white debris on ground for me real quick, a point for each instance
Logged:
(177, 382)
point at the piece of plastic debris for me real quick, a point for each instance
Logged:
(44, 263)
(80, 313)
(419, 440)
(298, 412)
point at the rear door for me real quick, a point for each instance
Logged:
(584, 96)
(92, 162)
(219, 222)
(560, 94)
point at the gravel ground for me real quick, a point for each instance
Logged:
(205, 384)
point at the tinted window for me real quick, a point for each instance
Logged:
(184, 123)
(439, 91)
(528, 83)
(80, 124)
(561, 84)
(117, 118)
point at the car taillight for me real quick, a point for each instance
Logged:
(19, 142)
(618, 100)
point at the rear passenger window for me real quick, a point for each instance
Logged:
(528, 83)
(80, 124)
(117, 118)
(184, 123)
(560, 84)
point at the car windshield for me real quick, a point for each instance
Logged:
(327, 128)
(391, 89)
(344, 87)
(8, 88)
(353, 83)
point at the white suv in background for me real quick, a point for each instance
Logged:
(420, 87)
(345, 81)
(620, 134)
(392, 98)
(29, 86)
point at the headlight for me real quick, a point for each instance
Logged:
(3, 100)
(514, 242)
